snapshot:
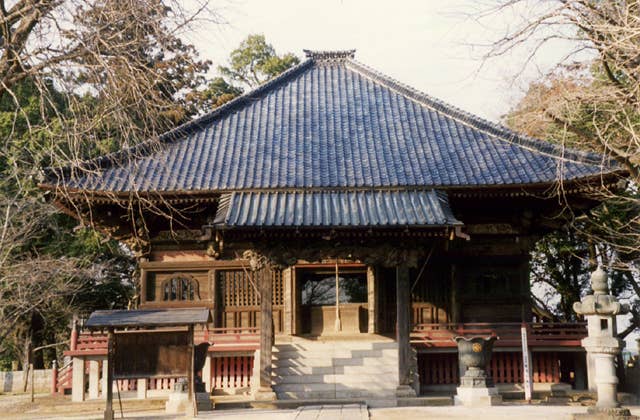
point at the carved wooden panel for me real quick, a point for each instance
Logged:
(171, 286)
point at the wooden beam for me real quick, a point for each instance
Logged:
(454, 315)
(266, 327)
(108, 411)
(403, 323)
(190, 374)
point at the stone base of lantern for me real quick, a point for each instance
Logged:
(476, 378)
(599, 413)
(477, 397)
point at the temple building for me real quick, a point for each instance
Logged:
(342, 228)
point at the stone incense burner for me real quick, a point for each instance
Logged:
(475, 354)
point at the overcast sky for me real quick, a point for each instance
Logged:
(429, 44)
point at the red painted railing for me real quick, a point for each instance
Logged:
(62, 381)
(229, 339)
(231, 372)
(504, 368)
(539, 334)
(88, 344)
(221, 340)
(438, 368)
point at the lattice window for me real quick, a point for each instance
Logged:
(278, 288)
(180, 287)
(238, 288)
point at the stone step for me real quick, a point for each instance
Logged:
(302, 379)
(306, 395)
(310, 371)
(323, 362)
(380, 369)
(368, 379)
(304, 370)
(305, 387)
(359, 379)
(336, 387)
(373, 354)
(432, 401)
(295, 403)
(330, 395)
(336, 354)
(351, 345)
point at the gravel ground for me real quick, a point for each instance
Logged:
(59, 407)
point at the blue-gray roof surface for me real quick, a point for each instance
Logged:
(335, 209)
(148, 317)
(335, 123)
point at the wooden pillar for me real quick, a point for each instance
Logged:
(525, 287)
(266, 328)
(190, 375)
(455, 304)
(372, 326)
(265, 391)
(403, 329)
(143, 286)
(108, 411)
(296, 302)
(73, 342)
(54, 377)
(288, 301)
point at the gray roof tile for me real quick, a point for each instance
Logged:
(337, 124)
(335, 209)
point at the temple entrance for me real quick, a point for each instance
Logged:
(332, 304)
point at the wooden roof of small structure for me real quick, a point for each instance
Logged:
(148, 318)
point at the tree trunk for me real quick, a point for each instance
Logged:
(26, 360)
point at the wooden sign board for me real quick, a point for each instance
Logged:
(147, 354)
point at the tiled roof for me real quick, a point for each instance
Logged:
(335, 209)
(148, 318)
(332, 123)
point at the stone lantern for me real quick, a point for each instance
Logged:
(600, 309)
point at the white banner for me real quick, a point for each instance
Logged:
(526, 366)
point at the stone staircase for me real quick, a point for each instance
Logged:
(325, 370)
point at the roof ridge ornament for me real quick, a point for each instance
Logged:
(338, 55)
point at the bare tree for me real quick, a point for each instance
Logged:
(610, 30)
(590, 101)
(79, 79)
